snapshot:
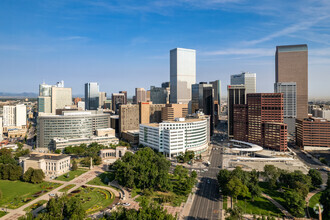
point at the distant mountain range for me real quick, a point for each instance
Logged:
(23, 95)
(26, 95)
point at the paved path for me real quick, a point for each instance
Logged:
(278, 205)
(79, 181)
(310, 195)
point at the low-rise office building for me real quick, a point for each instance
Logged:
(53, 165)
(175, 137)
(313, 133)
(76, 124)
(131, 136)
(61, 143)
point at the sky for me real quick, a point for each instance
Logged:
(124, 44)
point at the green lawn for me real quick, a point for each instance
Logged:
(17, 193)
(135, 192)
(65, 189)
(102, 179)
(35, 205)
(312, 202)
(164, 198)
(2, 213)
(71, 175)
(276, 195)
(93, 199)
(260, 206)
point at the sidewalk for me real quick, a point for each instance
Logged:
(279, 206)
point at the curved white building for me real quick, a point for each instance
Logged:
(175, 137)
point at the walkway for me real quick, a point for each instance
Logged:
(310, 195)
(278, 205)
(79, 181)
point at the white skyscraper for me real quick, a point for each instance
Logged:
(20, 115)
(182, 74)
(1, 129)
(247, 79)
(14, 115)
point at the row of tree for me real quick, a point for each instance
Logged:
(325, 200)
(295, 185)
(147, 169)
(147, 211)
(10, 170)
(239, 183)
(186, 157)
(63, 207)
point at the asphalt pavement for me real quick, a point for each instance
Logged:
(207, 203)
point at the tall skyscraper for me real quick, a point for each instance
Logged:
(260, 121)
(45, 90)
(158, 95)
(247, 79)
(118, 99)
(91, 96)
(14, 115)
(291, 65)
(45, 104)
(125, 94)
(61, 97)
(1, 129)
(289, 90)
(102, 99)
(140, 95)
(182, 74)
(236, 95)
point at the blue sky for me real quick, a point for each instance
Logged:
(123, 44)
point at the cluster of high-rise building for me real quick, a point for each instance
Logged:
(168, 118)
(271, 119)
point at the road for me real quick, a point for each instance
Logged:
(206, 204)
(310, 162)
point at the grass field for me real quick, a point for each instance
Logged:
(260, 206)
(276, 195)
(71, 175)
(102, 179)
(2, 213)
(65, 189)
(17, 193)
(35, 205)
(93, 199)
(312, 202)
(164, 198)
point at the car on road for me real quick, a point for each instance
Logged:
(208, 181)
(51, 194)
(126, 204)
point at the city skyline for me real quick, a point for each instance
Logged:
(108, 42)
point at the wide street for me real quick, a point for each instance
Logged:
(207, 203)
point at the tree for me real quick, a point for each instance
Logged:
(325, 201)
(315, 177)
(57, 151)
(37, 176)
(272, 174)
(27, 175)
(74, 165)
(234, 213)
(295, 203)
(33, 175)
(236, 188)
(223, 178)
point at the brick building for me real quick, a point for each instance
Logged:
(260, 121)
(313, 132)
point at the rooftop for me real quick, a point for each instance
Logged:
(35, 156)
